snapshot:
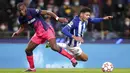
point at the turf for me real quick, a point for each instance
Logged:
(74, 70)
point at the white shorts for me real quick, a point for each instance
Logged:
(76, 51)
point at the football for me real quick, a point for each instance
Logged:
(107, 67)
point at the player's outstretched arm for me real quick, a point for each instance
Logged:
(63, 20)
(21, 29)
(107, 17)
(98, 20)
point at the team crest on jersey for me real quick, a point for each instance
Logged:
(37, 10)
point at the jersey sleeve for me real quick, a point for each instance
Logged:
(95, 20)
(67, 28)
(71, 24)
(21, 21)
(35, 11)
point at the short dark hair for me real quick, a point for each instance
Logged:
(86, 9)
(20, 4)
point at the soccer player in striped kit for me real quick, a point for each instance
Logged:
(74, 31)
(43, 32)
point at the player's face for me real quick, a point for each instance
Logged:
(86, 15)
(22, 10)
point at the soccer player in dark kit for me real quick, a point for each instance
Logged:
(43, 32)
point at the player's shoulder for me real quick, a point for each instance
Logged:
(33, 10)
(76, 19)
(74, 22)
(30, 9)
(20, 17)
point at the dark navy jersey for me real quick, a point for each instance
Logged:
(32, 16)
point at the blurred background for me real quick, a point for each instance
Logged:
(118, 27)
(111, 38)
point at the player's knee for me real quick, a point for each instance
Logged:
(54, 47)
(85, 59)
(28, 50)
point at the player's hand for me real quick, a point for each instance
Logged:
(79, 39)
(63, 20)
(107, 17)
(14, 34)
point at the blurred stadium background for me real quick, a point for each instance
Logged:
(106, 41)
(116, 28)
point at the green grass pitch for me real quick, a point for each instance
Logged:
(64, 70)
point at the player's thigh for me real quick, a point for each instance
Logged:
(50, 34)
(33, 43)
(37, 39)
(76, 51)
(53, 44)
(31, 46)
(83, 56)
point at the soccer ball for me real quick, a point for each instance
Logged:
(107, 67)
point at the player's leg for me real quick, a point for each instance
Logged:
(64, 46)
(29, 53)
(33, 43)
(54, 47)
(52, 41)
(61, 45)
(82, 57)
(78, 53)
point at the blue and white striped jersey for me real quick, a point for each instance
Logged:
(77, 27)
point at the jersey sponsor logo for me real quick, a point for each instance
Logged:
(31, 21)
